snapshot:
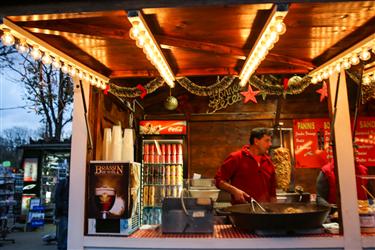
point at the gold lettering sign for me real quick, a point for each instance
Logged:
(306, 125)
(367, 124)
(108, 169)
(222, 99)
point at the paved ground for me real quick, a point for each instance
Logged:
(30, 240)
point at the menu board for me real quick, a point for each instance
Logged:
(312, 139)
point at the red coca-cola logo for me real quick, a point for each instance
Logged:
(175, 129)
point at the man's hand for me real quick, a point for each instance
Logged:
(240, 196)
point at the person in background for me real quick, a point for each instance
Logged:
(249, 173)
(326, 183)
(61, 212)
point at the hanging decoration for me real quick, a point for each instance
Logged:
(213, 89)
(143, 90)
(285, 83)
(224, 98)
(107, 88)
(171, 102)
(250, 95)
(269, 88)
(133, 92)
(323, 91)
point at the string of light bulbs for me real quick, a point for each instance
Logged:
(145, 40)
(347, 59)
(25, 42)
(268, 37)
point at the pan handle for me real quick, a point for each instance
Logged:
(222, 212)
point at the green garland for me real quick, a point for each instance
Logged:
(133, 92)
(265, 85)
(268, 88)
(195, 89)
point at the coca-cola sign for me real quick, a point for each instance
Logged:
(152, 127)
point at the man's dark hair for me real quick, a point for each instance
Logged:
(259, 133)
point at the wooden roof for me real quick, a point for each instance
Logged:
(203, 39)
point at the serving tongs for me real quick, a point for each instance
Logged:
(252, 201)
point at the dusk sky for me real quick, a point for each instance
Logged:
(11, 94)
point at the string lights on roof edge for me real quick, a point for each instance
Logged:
(347, 59)
(268, 37)
(25, 44)
(141, 33)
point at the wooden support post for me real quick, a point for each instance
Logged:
(345, 162)
(78, 169)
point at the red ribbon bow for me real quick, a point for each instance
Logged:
(107, 87)
(143, 91)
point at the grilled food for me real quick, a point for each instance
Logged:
(283, 167)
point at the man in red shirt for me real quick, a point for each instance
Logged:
(249, 172)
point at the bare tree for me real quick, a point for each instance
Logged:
(10, 139)
(48, 91)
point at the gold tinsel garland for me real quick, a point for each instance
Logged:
(133, 92)
(195, 89)
(368, 91)
(264, 85)
(271, 89)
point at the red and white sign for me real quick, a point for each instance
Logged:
(174, 127)
(312, 138)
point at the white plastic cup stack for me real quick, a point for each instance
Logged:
(128, 145)
(116, 145)
(107, 140)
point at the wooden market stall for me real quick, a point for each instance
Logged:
(207, 52)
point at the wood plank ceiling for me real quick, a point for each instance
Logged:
(207, 40)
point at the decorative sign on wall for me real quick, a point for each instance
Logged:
(222, 99)
(312, 138)
(162, 127)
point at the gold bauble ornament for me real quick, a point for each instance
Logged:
(171, 103)
(294, 80)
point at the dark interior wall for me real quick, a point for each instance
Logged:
(211, 137)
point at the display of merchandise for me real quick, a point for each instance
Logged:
(162, 175)
(7, 203)
(18, 189)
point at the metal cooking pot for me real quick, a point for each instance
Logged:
(277, 216)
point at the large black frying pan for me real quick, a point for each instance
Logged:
(276, 216)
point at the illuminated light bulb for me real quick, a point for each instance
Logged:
(325, 75)
(103, 85)
(86, 77)
(92, 80)
(330, 71)
(80, 75)
(319, 78)
(46, 59)
(338, 67)
(140, 43)
(133, 33)
(135, 23)
(365, 55)
(346, 64)
(354, 60)
(72, 71)
(56, 63)
(65, 69)
(22, 47)
(7, 38)
(280, 27)
(274, 37)
(314, 80)
(366, 80)
(36, 53)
